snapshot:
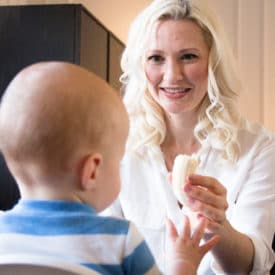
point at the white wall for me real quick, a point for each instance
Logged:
(250, 26)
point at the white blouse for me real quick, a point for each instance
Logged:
(146, 197)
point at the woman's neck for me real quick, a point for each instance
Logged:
(179, 139)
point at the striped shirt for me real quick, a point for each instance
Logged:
(74, 232)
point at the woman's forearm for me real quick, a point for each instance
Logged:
(235, 251)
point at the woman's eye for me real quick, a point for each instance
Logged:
(189, 56)
(155, 58)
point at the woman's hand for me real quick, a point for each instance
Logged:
(186, 252)
(207, 197)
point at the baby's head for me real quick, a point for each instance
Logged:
(62, 133)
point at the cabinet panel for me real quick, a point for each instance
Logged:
(30, 34)
(93, 45)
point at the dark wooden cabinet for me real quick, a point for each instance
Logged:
(70, 33)
(34, 33)
(93, 45)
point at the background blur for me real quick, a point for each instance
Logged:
(250, 27)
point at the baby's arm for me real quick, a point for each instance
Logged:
(186, 252)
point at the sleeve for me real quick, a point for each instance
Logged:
(138, 258)
(253, 212)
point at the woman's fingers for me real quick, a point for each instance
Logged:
(208, 183)
(206, 196)
(208, 211)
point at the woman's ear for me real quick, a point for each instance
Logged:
(90, 171)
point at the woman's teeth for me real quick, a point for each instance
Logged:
(178, 90)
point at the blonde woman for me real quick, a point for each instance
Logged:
(181, 92)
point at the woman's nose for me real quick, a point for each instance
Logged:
(173, 71)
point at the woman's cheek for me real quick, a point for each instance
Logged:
(153, 75)
(198, 73)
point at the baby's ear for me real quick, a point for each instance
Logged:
(90, 171)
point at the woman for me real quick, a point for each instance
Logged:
(181, 93)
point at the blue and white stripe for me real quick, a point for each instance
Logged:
(74, 232)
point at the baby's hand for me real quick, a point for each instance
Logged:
(186, 252)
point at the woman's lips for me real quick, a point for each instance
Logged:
(175, 92)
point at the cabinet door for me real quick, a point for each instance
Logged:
(30, 34)
(93, 45)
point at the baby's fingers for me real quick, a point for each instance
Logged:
(172, 231)
(186, 230)
(209, 244)
(199, 231)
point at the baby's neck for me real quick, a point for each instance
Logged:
(37, 187)
(47, 193)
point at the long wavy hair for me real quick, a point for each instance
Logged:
(219, 118)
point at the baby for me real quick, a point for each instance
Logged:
(63, 133)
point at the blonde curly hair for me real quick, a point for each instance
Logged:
(219, 118)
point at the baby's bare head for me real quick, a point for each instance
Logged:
(53, 113)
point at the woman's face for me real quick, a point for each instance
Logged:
(176, 66)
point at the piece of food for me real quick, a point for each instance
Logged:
(184, 165)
